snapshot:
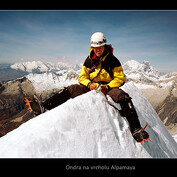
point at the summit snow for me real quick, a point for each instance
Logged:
(87, 126)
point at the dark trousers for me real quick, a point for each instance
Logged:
(75, 90)
(117, 94)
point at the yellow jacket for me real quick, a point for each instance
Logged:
(105, 70)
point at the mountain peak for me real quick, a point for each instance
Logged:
(131, 65)
(87, 126)
(143, 71)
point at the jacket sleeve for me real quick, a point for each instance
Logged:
(117, 73)
(118, 77)
(84, 77)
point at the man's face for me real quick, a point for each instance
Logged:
(98, 50)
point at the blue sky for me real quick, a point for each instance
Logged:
(65, 35)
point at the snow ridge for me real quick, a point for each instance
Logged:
(87, 126)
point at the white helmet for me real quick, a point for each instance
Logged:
(97, 39)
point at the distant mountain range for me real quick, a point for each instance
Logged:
(40, 67)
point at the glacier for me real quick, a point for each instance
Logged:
(88, 127)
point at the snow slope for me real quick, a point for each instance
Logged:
(88, 127)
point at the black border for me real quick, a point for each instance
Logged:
(59, 167)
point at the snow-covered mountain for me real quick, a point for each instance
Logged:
(144, 67)
(48, 76)
(88, 126)
(50, 80)
(144, 73)
(41, 67)
(140, 71)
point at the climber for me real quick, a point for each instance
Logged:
(100, 69)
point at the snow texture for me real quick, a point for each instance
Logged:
(175, 137)
(87, 126)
